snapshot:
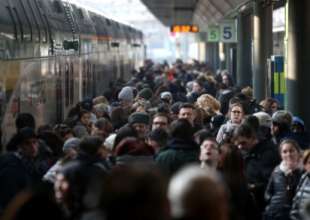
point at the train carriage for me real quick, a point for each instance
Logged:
(54, 54)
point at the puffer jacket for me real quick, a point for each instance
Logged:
(301, 198)
(280, 192)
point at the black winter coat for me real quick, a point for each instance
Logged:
(259, 164)
(15, 175)
(280, 192)
(178, 153)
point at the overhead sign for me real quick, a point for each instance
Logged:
(213, 34)
(226, 32)
(184, 29)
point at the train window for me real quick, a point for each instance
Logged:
(57, 7)
(108, 22)
(13, 21)
(80, 13)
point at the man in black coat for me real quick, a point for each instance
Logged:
(180, 150)
(17, 169)
(260, 158)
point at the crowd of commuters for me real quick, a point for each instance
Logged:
(174, 142)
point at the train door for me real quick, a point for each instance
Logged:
(69, 84)
(87, 79)
(59, 92)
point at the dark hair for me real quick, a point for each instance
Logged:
(118, 117)
(252, 121)
(124, 132)
(289, 141)
(160, 114)
(84, 180)
(82, 112)
(182, 129)
(132, 146)
(232, 166)
(25, 120)
(244, 130)
(187, 105)
(91, 145)
(134, 193)
(202, 135)
(103, 123)
(62, 130)
(159, 135)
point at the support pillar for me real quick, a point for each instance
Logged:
(298, 54)
(262, 47)
(212, 55)
(244, 57)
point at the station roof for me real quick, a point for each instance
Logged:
(200, 12)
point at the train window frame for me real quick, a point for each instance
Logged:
(38, 39)
(44, 25)
(28, 19)
(9, 9)
(21, 29)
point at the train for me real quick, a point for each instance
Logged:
(54, 53)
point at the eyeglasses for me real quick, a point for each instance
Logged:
(236, 112)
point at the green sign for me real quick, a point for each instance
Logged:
(213, 34)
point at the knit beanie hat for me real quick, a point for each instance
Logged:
(71, 143)
(139, 117)
(126, 94)
(145, 93)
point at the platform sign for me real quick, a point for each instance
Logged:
(213, 33)
(228, 31)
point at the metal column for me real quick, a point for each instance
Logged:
(262, 47)
(244, 58)
(212, 55)
(298, 55)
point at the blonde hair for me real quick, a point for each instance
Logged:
(207, 102)
(305, 156)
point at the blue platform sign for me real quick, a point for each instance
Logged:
(278, 83)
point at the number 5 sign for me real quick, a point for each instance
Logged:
(213, 34)
(228, 32)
